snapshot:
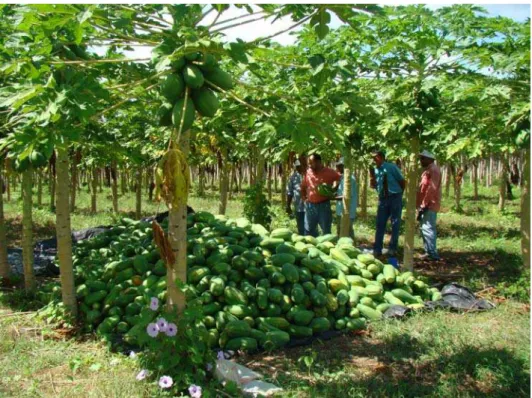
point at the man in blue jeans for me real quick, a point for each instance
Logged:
(339, 200)
(293, 195)
(387, 179)
(317, 207)
(428, 201)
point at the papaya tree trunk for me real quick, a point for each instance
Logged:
(457, 187)
(232, 183)
(475, 180)
(448, 181)
(345, 222)
(52, 187)
(114, 186)
(177, 236)
(138, 207)
(503, 183)
(213, 175)
(147, 181)
(224, 182)
(201, 188)
(94, 189)
(27, 230)
(525, 210)
(8, 187)
(240, 176)
(39, 188)
(63, 232)
(151, 184)
(490, 172)
(122, 182)
(275, 179)
(260, 168)
(74, 185)
(356, 172)
(100, 179)
(4, 265)
(410, 220)
(252, 172)
(364, 195)
(284, 179)
(270, 183)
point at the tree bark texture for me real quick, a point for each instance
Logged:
(27, 230)
(63, 232)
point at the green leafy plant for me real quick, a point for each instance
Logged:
(175, 352)
(518, 289)
(308, 359)
(256, 205)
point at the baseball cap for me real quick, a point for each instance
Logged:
(427, 154)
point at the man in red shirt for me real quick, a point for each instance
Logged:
(428, 203)
(317, 207)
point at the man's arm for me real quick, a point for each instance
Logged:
(289, 204)
(373, 179)
(429, 191)
(304, 189)
(399, 177)
(289, 195)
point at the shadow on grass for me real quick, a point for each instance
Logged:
(494, 266)
(19, 300)
(14, 231)
(397, 367)
(475, 232)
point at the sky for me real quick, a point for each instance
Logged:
(263, 28)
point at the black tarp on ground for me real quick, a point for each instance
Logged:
(455, 297)
(45, 251)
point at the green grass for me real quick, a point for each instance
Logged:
(430, 354)
(38, 361)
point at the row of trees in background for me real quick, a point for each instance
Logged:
(121, 179)
(450, 80)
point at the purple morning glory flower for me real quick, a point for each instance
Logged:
(220, 355)
(165, 382)
(142, 374)
(154, 304)
(152, 330)
(162, 325)
(171, 330)
(194, 391)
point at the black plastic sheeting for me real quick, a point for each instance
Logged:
(455, 297)
(45, 251)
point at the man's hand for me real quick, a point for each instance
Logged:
(420, 212)
(373, 182)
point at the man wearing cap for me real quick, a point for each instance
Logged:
(317, 207)
(293, 194)
(340, 196)
(428, 201)
(387, 179)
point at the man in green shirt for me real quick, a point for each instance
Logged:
(389, 183)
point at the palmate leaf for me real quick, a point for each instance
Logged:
(320, 22)
(15, 101)
(237, 51)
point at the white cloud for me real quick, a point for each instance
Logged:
(253, 30)
(264, 28)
